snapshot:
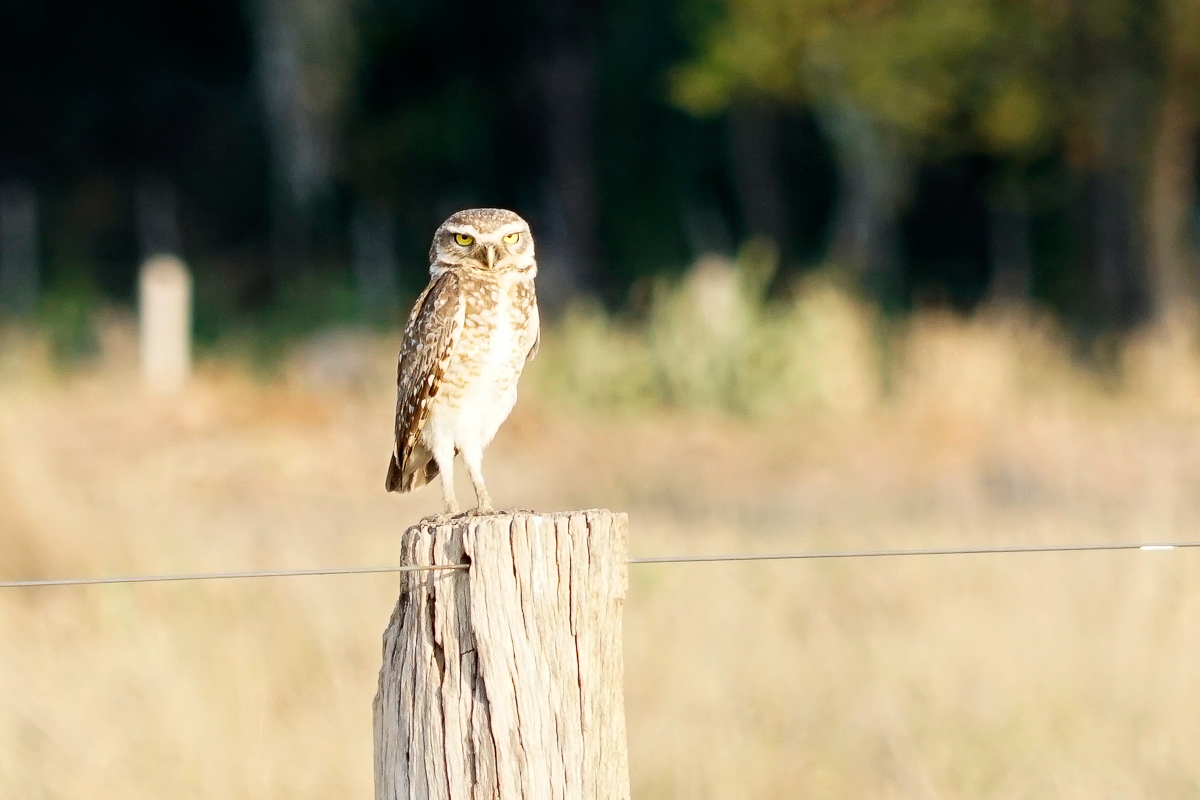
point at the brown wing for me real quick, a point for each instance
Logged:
(432, 330)
(537, 343)
(537, 333)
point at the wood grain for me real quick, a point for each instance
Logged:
(506, 680)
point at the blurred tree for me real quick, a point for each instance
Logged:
(567, 84)
(882, 77)
(157, 218)
(1068, 76)
(373, 235)
(758, 170)
(438, 127)
(896, 81)
(564, 121)
(306, 52)
(1172, 203)
(1052, 139)
(1013, 96)
(662, 178)
(20, 270)
(95, 97)
(1110, 67)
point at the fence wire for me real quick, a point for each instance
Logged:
(694, 559)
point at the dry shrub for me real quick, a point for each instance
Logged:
(985, 366)
(589, 360)
(717, 342)
(1160, 365)
(713, 342)
(833, 344)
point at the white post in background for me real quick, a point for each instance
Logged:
(165, 323)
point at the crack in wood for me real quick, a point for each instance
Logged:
(541, 589)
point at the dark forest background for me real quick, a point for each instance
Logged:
(299, 153)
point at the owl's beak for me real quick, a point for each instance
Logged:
(491, 251)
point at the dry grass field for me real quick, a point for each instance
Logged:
(1016, 676)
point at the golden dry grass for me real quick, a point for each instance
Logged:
(1069, 676)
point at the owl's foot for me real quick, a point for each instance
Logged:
(473, 513)
(437, 519)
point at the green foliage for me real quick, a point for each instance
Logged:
(309, 303)
(712, 341)
(67, 316)
(1021, 71)
(70, 327)
(1179, 35)
(904, 61)
(423, 116)
(1013, 116)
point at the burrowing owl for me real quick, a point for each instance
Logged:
(466, 341)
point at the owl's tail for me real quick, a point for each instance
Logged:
(420, 469)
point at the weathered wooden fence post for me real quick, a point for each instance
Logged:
(505, 680)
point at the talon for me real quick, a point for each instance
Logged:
(472, 513)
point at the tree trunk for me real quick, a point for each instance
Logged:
(876, 175)
(296, 155)
(1009, 244)
(1114, 207)
(303, 69)
(1171, 201)
(569, 242)
(504, 680)
(157, 212)
(373, 231)
(754, 153)
(19, 267)
(1117, 254)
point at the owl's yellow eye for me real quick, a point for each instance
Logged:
(511, 238)
(464, 239)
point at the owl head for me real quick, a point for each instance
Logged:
(486, 239)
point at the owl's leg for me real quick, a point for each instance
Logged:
(443, 454)
(474, 460)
